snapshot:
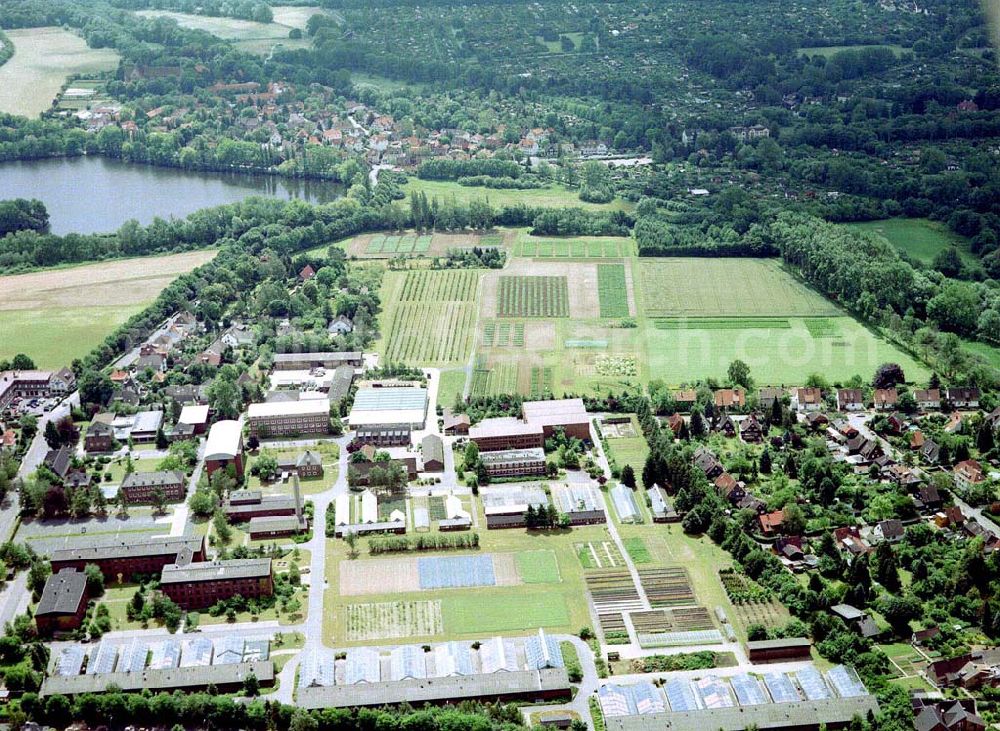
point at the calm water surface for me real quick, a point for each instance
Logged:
(96, 195)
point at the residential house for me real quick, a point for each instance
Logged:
(856, 619)
(730, 398)
(850, 399)
(676, 423)
(917, 439)
(845, 429)
(807, 399)
(341, 325)
(238, 336)
(931, 451)
(967, 474)
(948, 715)
(849, 540)
(705, 460)
(685, 399)
(307, 273)
(730, 488)
(954, 423)
(767, 396)
(963, 398)
(949, 517)
(927, 398)
(771, 523)
(99, 437)
(817, 420)
(889, 531)
(751, 430)
(930, 497)
(886, 399)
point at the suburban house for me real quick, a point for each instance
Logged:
(948, 715)
(890, 531)
(963, 398)
(807, 399)
(927, 398)
(685, 399)
(886, 399)
(341, 325)
(730, 398)
(767, 396)
(99, 437)
(931, 451)
(850, 399)
(705, 460)
(771, 523)
(968, 474)
(63, 603)
(857, 620)
(751, 430)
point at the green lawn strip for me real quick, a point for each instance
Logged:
(538, 567)
(637, 550)
(503, 612)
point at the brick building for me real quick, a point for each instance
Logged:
(308, 361)
(200, 584)
(224, 447)
(63, 603)
(492, 435)
(142, 487)
(514, 462)
(280, 419)
(137, 557)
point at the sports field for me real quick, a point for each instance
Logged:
(429, 316)
(919, 238)
(83, 304)
(43, 59)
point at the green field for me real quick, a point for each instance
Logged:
(828, 51)
(500, 378)
(610, 247)
(452, 384)
(637, 550)
(612, 290)
(555, 196)
(249, 35)
(686, 287)
(919, 238)
(429, 316)
(62, 300)
(520, 296)
(538, 567)
(511, 611)
(43, 59)
(990, 353)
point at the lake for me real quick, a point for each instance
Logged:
(97, 195)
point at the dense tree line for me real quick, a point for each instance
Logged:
(447, 169)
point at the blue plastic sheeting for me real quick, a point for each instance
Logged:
(781, 688)
(748, 690)
(454, 572)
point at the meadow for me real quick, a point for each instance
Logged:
(429, 316)
(555, 196)
(828, 51)
(249, 35)
(81, 303)
(43, 59)
(919, 238)
(607, 247)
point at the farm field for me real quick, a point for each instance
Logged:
(919, 238)
(32, 306)
(249, 35)
(685, 287)
(554, 196)
(610, 247)
(527, 296)
(429, 316)
(43, 59)
(549, 591)
(612, 290)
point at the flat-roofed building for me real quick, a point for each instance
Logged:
(138, 556)
(289, 418)
(63, 603)
(502, 433)
(224, 447)
(197, 585)
(224, 678)
(570, 415)
(308, 361)
(389, 406)
(143, 487)
(195, 416)
(384, 436)
(514, 462)
(789, 648)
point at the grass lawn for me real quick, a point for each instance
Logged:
(920, 238)
(506, 611)
(538, 567)
(43, 59)
(553, 196)
(629, 451)
(637, 550)
(990, 353)
(33, 306)
(452, 384)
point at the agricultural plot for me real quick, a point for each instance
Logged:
(393, 620)
(586, 248)
(528, 296)
(406, 574)
(685, 287)
(627, 450)
(770, 613)
(470, 614)
(612, 290)
(599, 555)
(637, 550)
(500, 378)
(612, 590)
(613, 628)
(538, 567)
(43, 59)
(918, 238)
(430, 316)
(542, 381)
(668, 587)
(33, 306)
(500, 334)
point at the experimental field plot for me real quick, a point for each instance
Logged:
(527, 296)
(612, 291)
(393, 620)
(429, 316)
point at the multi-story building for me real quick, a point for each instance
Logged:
(308, 361)
(491, 435)
(281, 419)
(63, 603)
(99, 437)
(514, 462)
(143, 487)
(35, 384)
(127, 559)
(200, 584)
(224, 447)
